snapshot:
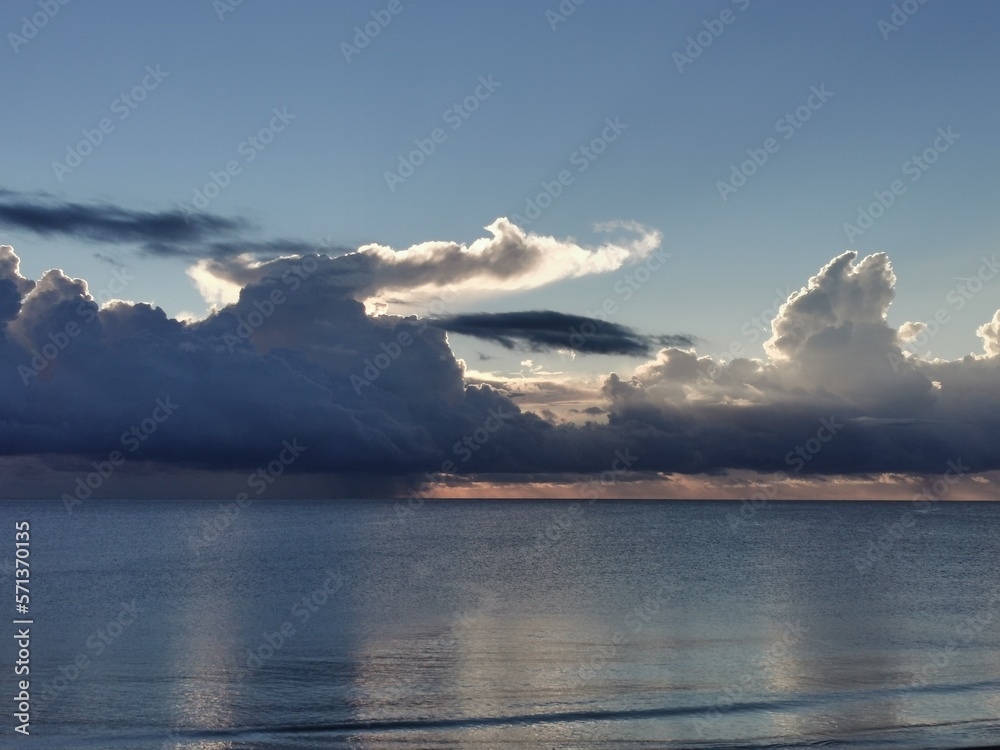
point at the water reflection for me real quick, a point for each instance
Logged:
(640, 621)
(201, 639)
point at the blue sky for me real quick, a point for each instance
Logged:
(558, 81)
(324, 175)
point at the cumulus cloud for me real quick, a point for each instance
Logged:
(13, 286)
(545, 330)
(75, 376)
(833, 357)
(911, 330)
(832, 337)
(990, 334)
(296, 355)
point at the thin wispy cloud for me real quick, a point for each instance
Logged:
(167, 233)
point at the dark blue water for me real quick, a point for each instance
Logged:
(508, 624)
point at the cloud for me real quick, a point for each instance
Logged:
(832, 356)
(227, 259)
(990, 334)
(911, 330)
(545, 330)
(13, 286)
(75, 377)
(162, 233)
(295, 355)
(509, 260)
(832, 337)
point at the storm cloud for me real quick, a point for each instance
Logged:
(545, 330)
(296, 356)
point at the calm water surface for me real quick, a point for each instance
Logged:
(510, 624)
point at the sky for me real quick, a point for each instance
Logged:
(736, 249)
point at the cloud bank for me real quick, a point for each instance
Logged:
(296, 356)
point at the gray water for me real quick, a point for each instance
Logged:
(508, 624)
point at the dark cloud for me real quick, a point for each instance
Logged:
(106, 223)
(162, 233)
(297, 357)
(243, 382)
(545, 330)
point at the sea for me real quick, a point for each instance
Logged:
(294, 624)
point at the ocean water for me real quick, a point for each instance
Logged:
(509, 624)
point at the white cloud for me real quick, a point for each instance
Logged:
(509, 260)
(990, 334)
(215, 289)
